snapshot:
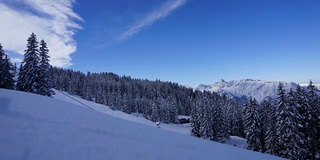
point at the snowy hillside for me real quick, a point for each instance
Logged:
(183, 129)
(36, 127)
(178, 128)
(243, 89)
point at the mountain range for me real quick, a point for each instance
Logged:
(246, 88)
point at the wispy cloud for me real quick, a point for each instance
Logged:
(54, 21)
(161, 12)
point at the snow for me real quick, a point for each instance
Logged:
(36, 127)
(237, 142)
(184, 129)
(183, 116)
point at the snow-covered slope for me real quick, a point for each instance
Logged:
(243, 89)
(60, 95)
(178, 128)
(37, 128)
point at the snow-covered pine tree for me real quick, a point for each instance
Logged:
(302, 106)
(29, 80)
(263, 111)
(155, 114)
(173, 109)
(281, 117)
(206, 126)
(305, 109)
(125, 106)
(271, 139)
(293, 138)
(225, 114)
(286, 125)
(313, 131)
(220, 125)
(6, 71)
(196, 114)
(234, 115)
(237, 122)
(230, 115)
(252, 125)
(45, 86)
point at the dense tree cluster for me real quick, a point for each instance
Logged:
(6, 70)
(209, 117)
(289, 128)
(156, 100)
(34, 75)
(216, 116)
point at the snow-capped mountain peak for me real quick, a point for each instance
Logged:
(243, 89)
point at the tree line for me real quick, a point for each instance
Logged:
(156, 100)
(6, 70)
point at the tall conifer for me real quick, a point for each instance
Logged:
(29, 79)
(6, 71)
(45, 83)
(252, 125)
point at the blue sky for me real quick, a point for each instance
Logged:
(184, 41)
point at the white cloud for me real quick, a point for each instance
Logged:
(53, 21)
(162, 12)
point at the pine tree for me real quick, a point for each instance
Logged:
(271, 141)
(173, 109)
(29, 80)
(295, 138)
(263, 111)
(6, 71)
(252, 125)
(302, 106)
(219, 123)
(235, 118)
(281, 117)
(155, 115)
(305, 109)
(313, 129)
(45, 86)
(287, 125)
(206, 119)
(196, 114)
